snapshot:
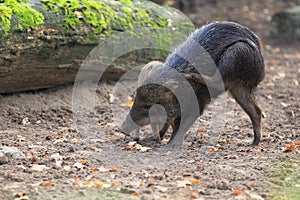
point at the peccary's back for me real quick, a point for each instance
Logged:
(214, 38)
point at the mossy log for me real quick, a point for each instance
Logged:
(285, 25)
(44, 42)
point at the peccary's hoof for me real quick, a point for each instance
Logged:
(172, 146)
(255, 142)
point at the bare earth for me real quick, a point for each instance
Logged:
(61, 163)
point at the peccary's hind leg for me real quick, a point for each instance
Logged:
(246, 99)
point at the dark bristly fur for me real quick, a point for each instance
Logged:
(236, 52)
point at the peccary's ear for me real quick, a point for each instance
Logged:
(148, 69)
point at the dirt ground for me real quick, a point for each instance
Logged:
(60, 163)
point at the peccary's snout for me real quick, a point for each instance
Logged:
(130, 126)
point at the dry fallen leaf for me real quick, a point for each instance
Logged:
(194, 195)
(161, 189)
(196, 181)
(78, 165)
(113, 170)
(254, 196)
(56, 156)
(76, 179)
(201, 129)
(60, 140)
(83, 162)
(131, 143)
(113, 185)
(236, 191)
(19, 194)
(231, 157)
(281, 74)
(128, 148)
(110, 138)
(151, 180)
(259, 155)
(204, 136)
(135, 194)
(67, 168)
(106, 185)
(103, 169)
(87, 182)
(129, 103)
(182, 183)
(21, 138)
(213, 149)
(294, 146)
(272, 62)
(121, 136)
(102, 123)
(136, 183)
(39, 168)
(138, 147)
(201, 166)
(191, 161)
(47, 184)
(58, 163)
(224, 141)
(295, 82)
(28, 155)
(111, 98)
(97, 184)
(25, 121)
(144, 149)
(94, 170)
(244, 150)
(186, 174)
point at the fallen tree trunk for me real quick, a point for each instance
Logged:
(285, 25)
(43, 43)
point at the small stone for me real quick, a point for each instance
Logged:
(3, 159)
(67, 168)
(10, 153)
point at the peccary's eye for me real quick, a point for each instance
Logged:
(147, 106)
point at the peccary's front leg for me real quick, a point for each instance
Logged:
(158, 134)
(181, 126)
(175, 126)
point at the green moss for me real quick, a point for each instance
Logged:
(27, 17)
(142, 16)
(96, 17)
(126, 2)
(5, 16)
(66, 8)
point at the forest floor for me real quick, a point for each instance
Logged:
(57, 162)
